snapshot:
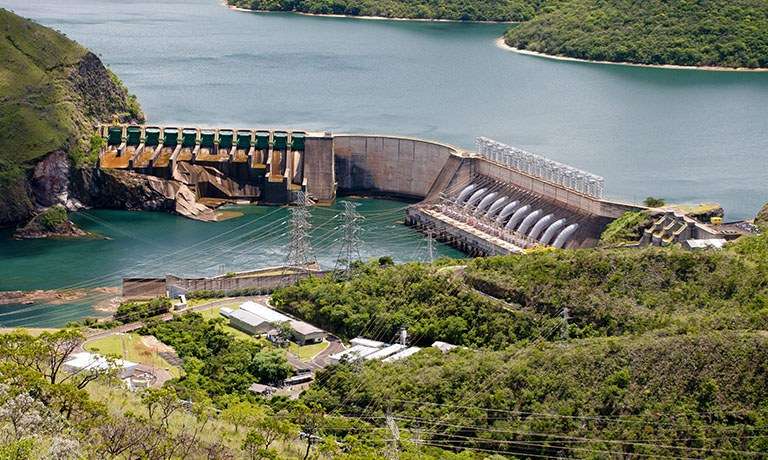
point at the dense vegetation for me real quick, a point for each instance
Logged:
(762, 217)
(430, 302)
(726, 33)
(461, 10)
(607, 292)
(52, 91)
(723, 33)
(214, 360)
(614, 292)
(648, 352)
(49, 413)
(626, 229)
(128, 312)
(697, 395)
(589, 353)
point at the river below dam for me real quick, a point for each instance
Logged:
(684, 135)
(154, 244)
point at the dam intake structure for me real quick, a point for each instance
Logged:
(260, 166)
(497, 200)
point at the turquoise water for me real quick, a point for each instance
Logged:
(154, 244)
(679, 134)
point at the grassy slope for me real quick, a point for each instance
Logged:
(52, 91)
(728, 33)
(35, 116)
(135, 351)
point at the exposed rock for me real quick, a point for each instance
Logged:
(58, 92)
(51, 223)
(50, 180)
(115, 189)
(53, 297)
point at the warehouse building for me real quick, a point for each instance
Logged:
(257, 319)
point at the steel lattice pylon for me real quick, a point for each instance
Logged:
(349, 252)
(300, 253)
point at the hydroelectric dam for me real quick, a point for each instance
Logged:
(495, 200)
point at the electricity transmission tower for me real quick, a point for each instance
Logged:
(430, 245)
(300, 252)
(350, 239)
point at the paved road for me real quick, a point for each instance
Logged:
(321, 360)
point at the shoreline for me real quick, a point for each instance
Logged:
(366, 18)
(501, 43)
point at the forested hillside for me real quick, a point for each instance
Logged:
(52, 91)
(612, 352)
(691, 395)
(721, 33)
(459, 10)
(596, 353)
(724, 33)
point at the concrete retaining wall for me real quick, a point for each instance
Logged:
(143, 288)
(264, 284)
(147, 288)
(386, 165)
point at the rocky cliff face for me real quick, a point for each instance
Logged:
(114, 189)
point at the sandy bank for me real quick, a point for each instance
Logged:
(503, 45)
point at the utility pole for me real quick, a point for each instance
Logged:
(566, 317)
(350, 240)
(300, 252)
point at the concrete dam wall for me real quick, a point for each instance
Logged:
(387, 165)
(496, 200)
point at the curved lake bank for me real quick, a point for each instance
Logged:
(501, 43)
(367, 18)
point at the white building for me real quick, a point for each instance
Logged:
(352, 354)
(255, 318)
(402, 355)
(134, 375)
(367, 342)
(385, 352)
(93, 362)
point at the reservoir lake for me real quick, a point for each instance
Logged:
(685, 135)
